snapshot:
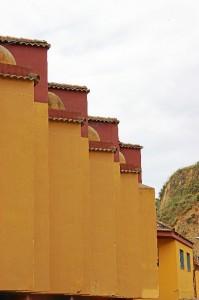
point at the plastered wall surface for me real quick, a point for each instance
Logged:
(129, 259)
(185, 277)
(168, 278)
(76, 214)
(36, 57)
(41, 200)
(70, 222)
(68, 189)
(103, 221)
(148, 240)
(197, 283)
(175, 282)
(17, 184)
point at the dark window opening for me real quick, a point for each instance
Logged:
(181, 259)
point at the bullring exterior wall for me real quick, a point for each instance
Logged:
(71, 219)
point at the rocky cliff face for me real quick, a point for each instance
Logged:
(178, 203)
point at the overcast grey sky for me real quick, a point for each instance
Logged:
(140, 59)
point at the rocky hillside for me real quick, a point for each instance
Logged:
(178, 203)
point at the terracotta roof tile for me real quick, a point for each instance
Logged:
(130, 146)
(31, 77)
(68, 87)
(166, 231)
(18, 72)
(23, 41)
(67, 120)
(99, 146)
(65, 116)
(103, 119)
(164, 227)
(129, 168)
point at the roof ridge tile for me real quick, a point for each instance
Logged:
(68, 87)
(24, 41)
(103, 119)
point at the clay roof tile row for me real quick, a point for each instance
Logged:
(164, 227)
(65, 116)
(68, 87)
(22, 41)
(102, 149)
(99, 146)
(129, 168)
(166, 231)
(68, 120)
(31, 77)
(103, 119)
(135, 171)
(130, 146)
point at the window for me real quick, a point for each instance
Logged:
(181, 259)
(188, 263)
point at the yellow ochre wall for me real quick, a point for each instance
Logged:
(129, 258)
(175, 283)
(69, 205)
(168, 280)
(185, 278)
(103, 224)
(148, 242)
(197, 283)
(41, 200)
(16, 184)
(69, 220)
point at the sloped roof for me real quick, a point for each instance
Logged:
(166, 231)
(163, 227)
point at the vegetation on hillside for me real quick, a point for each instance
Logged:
(178, 202)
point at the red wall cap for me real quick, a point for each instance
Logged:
(130, 146)
(22, 41)
(102, 146)
(73, 100)
(68, 87)
(129, 168)
(18, 72)
(102, 119)
(32, 55)
(107, 129)
(62, 115)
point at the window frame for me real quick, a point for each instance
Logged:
(181, 252)
(188, 256)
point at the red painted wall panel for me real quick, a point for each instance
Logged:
(74, 101)
(35, 57)
(133, 156)
(108, 132)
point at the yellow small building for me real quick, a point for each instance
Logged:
(175, 264)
